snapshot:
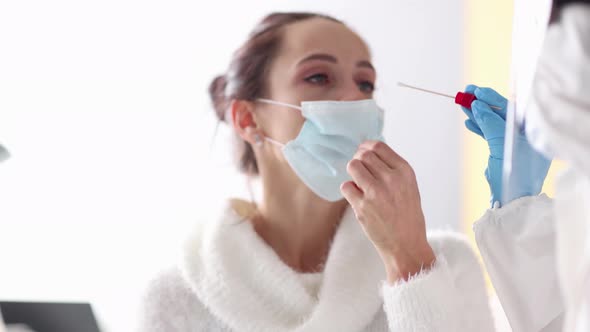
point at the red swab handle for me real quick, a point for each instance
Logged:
(465, 99)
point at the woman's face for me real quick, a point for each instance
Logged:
(318, 59)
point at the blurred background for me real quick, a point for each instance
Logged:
(104, 108)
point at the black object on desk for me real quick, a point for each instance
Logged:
(50, 317)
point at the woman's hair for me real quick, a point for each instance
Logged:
(248, 71)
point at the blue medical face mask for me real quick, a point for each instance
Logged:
(329, 138)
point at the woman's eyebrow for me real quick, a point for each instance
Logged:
(319, 56)
(331, 58)
(365, 64)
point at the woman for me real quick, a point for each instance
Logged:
(338, 241)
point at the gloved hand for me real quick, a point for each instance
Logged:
(491, 125)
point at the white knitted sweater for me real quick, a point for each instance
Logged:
(229, 279)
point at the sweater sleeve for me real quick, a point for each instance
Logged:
(450, 296)
(158, 313)
(517, 243)
(169, 305)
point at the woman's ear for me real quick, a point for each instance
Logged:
(244, 121)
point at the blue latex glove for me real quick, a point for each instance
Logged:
(491, 125)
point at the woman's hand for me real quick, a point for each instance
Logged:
(385, 198)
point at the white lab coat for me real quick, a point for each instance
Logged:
(537, 250)
(517, 244)
(534, 249)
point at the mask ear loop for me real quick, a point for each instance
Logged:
(258, 139)
(268, 101)
(276, 143)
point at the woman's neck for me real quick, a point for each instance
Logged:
(297, 224)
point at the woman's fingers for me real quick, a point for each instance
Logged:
(351, 193)
(385, 198)
(385, 153)
(372, 162)
(360, 174)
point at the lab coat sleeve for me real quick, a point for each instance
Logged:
(517, 244)
(450, 296)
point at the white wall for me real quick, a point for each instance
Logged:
(103, 106)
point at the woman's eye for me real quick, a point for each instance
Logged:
(320, 79)
(366, 86)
